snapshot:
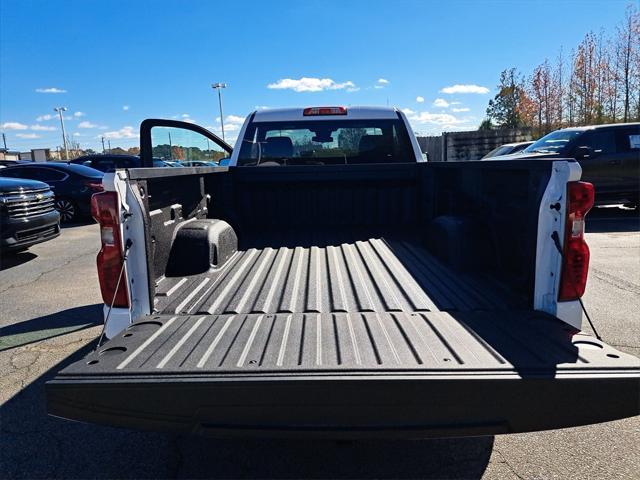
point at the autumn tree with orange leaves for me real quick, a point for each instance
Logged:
(598, 83)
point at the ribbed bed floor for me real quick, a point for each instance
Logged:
(372, 275)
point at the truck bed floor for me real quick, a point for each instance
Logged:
(371, 275)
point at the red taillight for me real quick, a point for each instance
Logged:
(312, 111)
(104, 208)
(94, 185)
(575, 255)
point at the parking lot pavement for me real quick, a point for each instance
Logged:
(51, 314)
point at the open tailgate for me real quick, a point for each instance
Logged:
(406, 374)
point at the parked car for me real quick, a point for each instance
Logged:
(507, 149)
(198, 163)
(72, 185)
(392, 298)
(109, 163)
(608, 154)
(27, 214)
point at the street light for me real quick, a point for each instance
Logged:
(219, 86)
(64, 136)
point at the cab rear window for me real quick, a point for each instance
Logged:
(327, 142)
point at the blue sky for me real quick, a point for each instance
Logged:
(114, 63)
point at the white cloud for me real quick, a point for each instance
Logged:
(433, 118)
(408, 111)
(381, 83)
(234, 119)
(419, 99)
(188, 120)
(76, 134)
(27, 135)
(79, 114)
(460, 110)
(310, 84)
(86, 124)
(124, 132)
(42, 118)
(43, 128)
(467, 88)
(185, 115)
(50, 90)
(440, 103)
(125, 107)
(232, 123)
(14, 126)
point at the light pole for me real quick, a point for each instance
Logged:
(219, 86)
(64, 135)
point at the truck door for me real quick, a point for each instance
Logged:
(628, 147)
(180, 142)
(601, 164)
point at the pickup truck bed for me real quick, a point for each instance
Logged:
(317, 274)
(341, 314)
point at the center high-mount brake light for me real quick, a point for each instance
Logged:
(316, 111)
(110, 260)
(575, 255)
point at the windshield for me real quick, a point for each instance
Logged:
(501, 150)
(554, 142)
(326, 142)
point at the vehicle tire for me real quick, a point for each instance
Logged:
(67, 209)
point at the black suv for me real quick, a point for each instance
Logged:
(73, 185)
(608, 154)
(27, 214)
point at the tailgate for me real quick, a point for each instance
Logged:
(408, 374)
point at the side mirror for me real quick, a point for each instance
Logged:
(583, 152)
(224, 162)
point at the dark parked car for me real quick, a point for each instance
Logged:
(507, 149)
(27, 214)
(72, 184)
(608, 154)
(109, 163)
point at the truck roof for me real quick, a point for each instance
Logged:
(353, 113)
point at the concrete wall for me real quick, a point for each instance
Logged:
(464, 146)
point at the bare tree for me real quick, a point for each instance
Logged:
(559, 90)
(627, 49)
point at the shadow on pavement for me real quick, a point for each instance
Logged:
(81, 222)
(11, 259)
(613, 219)
(39, 446)
(49, 326)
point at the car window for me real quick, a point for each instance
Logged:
(44, 174)
(554, 142)
(104, 165)
(13, 172)
(628, 139)
(599, 141)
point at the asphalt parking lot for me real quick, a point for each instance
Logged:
(51, 314)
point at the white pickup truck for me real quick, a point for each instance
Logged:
(330, 283)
